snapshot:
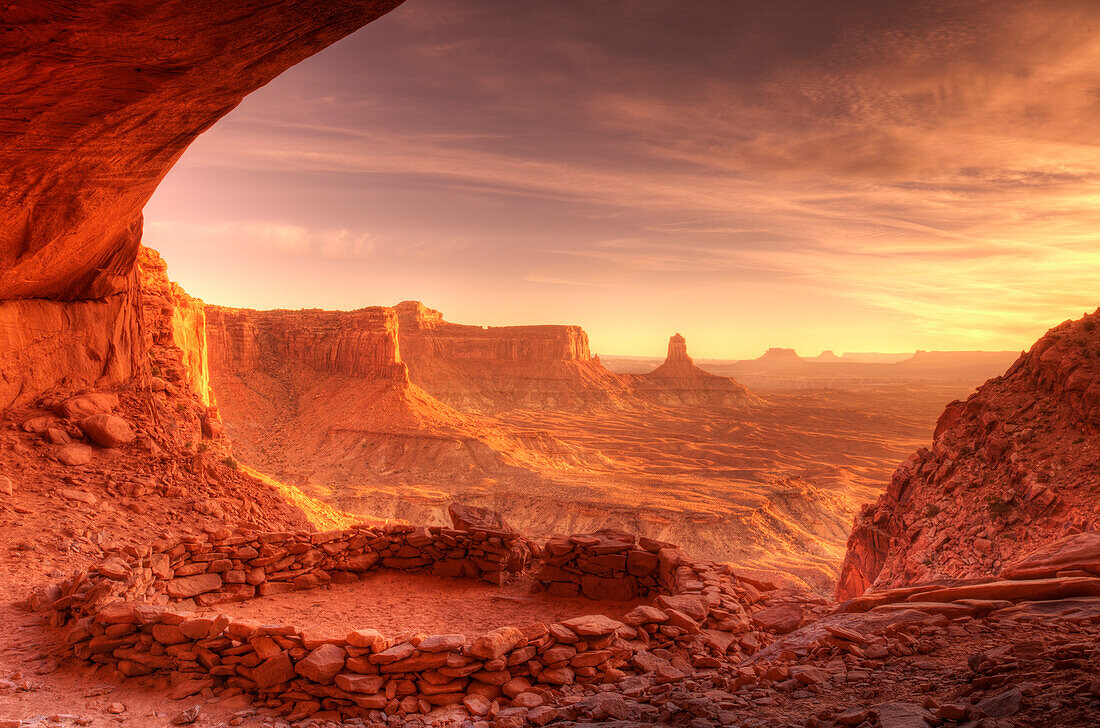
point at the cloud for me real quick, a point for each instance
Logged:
(934, 161)
(275, 237)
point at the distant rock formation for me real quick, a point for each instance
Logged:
(322, 397)
(780, 355)
(1014, 466)
(679, 382)
(486, 368)
(677, 349)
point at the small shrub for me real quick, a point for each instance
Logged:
(203, 446)
(932, 510)
(230, 462)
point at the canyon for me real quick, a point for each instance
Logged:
(395, 413)
(658, 547)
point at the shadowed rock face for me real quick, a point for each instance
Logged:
(100, 99)
(1011, 468)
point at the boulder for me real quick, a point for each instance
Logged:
(75, 454)
(186, 587)
(442, 643)
(1004, 704)
(780, 619)
(323, 664)
(593, 625)
(107, 430)
(274, 671)
(468, 518)
(356, 683)
(370, 639)
(92, 403)
(644, 614)
(903, 715)
(493, 644)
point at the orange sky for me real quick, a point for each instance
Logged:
(857, 176)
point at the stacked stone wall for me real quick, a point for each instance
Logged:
(133, 612)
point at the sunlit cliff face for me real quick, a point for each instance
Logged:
(845, 175)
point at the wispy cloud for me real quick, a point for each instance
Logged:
(294, 240)
(933, 163)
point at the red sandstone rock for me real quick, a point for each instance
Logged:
(107, 430)
(323, 664)
(101, 104)
(494, 644)
(1079, 552)
(465, 518)
(644, 614)
(85, 405)
(442, 643)
(274, 671)
(355, 683)
(190, 586)
(1032, 590)
(592, 625)
(75, 454)
(780, 619)
(1009, 469)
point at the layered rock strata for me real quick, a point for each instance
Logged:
(484, 368)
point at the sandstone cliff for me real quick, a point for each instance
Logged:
(174, 327)
(322, 398)
(1012, 467)
(490, 367)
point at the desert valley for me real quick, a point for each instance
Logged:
(220, 515)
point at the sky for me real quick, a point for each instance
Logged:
(856, 176)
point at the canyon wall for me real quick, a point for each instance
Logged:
(1013, 466)
(323, 399)
(360, 343)
(52, 345)
(490, 367)
(100, 100)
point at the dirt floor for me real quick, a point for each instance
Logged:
(397, 603)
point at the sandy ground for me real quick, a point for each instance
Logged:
(397, 603)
